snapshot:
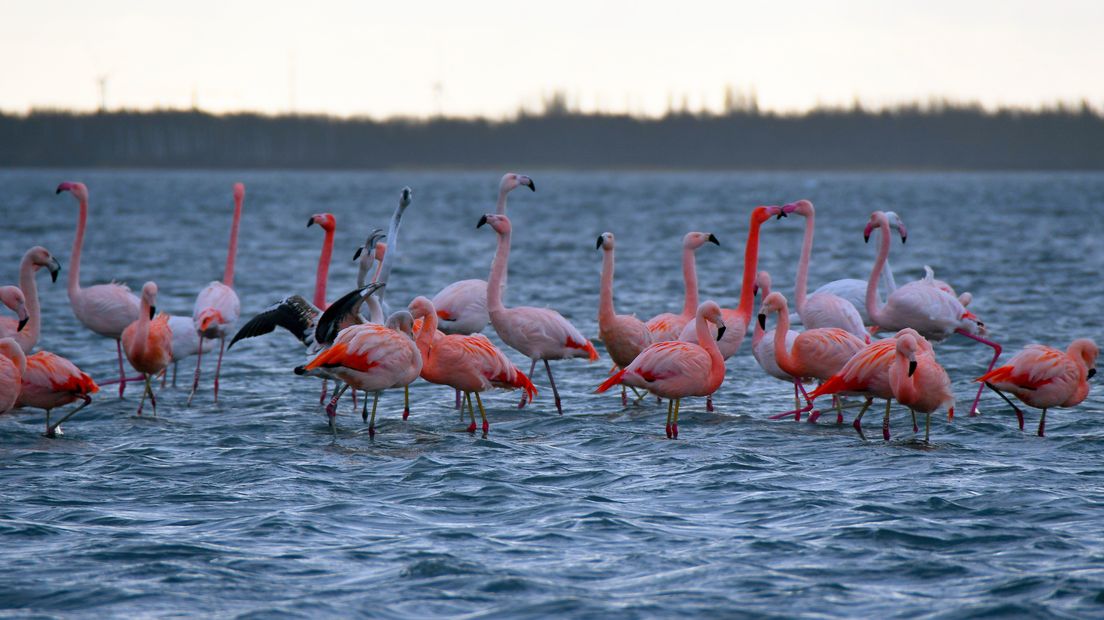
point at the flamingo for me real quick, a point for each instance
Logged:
(815, 353)
(918, 381)
(537, 333)
(675, 369)
(669, 326)
(51, 381)
(148, 342)
(106, 309)
(185, 343)
(865, 374)
(853, 290)
(821, 309)
(368, 357)
(13, 363)
(737, 320)
(934, 313)
(217, 307)
(624, 335)
(762, 340)
(1044, 377)
(33, 259)
(471, 364)
(14, 299)
(462, 306)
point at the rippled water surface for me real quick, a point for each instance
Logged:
(251, 506)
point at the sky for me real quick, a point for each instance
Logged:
(419, 58)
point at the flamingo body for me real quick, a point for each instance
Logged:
(1044, 377)
(462, 307)
(13, 363)
(371, 358)
(51, 381)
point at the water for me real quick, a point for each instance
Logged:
(250, 507)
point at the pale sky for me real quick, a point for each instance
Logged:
(412, 58)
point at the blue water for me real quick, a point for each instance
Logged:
(250, 507)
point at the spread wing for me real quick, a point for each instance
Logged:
(343, 313)
(295, 314)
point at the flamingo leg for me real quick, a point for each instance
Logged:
(674, 425)
(165, 375)
(406, 402)
(521, 404)
(459, 404)
(174, 375)
(218, 366)
(322, 398)
(927, 427)
(670, 410)
(996, 354)
(482, 414)
(52, 430)
(153, 397)
(1019, 414)
(354, 400)
(839, 408)
(471, 410)
(624, 396)
(331, 409)
(555, 393)
(709, 403)
(915, 428)
(885, 421)
(858, 419)
(122, 373)
(1042, 424)
(364, 409)
(195, 381)
(142, 402)
(372, 421)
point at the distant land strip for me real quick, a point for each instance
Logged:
(962, 137)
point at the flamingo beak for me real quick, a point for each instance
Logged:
(762, 321)
(482, 221)
(599, 245)
(64, 187)
(532, 186)
(1092, 373)
(153, 312)
(912, 367)
(356, 254)
(713, 239)
(720, 331)
(55, 269)
(310, 222)
(23, 323)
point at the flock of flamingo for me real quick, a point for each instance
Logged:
(358, 342)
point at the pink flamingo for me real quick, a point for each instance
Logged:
(1044, 377)
(762, 340)
(217, 307)
(471, 364)
(675, 369)
(14, 299)
(669, 326)
(106, 309)
(931, 311)
(462, 306)
(368, 357)
(821, 309)
(865, 374)
(624, 335)
(854, 290)
(815, 353)
(918, 381)
(51, 381)
(33, 259)
(13, 363)
(537, 333)
(148, 342)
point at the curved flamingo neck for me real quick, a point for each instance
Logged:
(323, 270)
(75, 257)
(392, 252)
(425, 337)
(904, 387)
(606, 313)
(30, 292)
(690, 278)
(802, 282)
(873, 304)
(141, 332)
(232, 252)
(500, 204)
(782, 356)
(747, 285)
(498, 274)
(709, 343)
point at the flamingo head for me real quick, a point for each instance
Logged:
(79, 191)
(605, 241)
(763, 213)
(12, 297)
(694, 240)
(512, 180)
(401, 321)
(762, 284)
(239, 193)
(499, 223)
(802, 207)
(10, 349)
(370, 245)
(710, 311)
(895, 221)
(421, 307)
(406, 197)
(41, 257)
(877, 220)
(907, 344)
(326, 220)
(1085, 350)
(149, 297)
(774, 302)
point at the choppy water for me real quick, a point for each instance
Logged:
(251, 507)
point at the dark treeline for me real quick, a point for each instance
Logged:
(915, 137)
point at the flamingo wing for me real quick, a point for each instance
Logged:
(1034, 367)
(295, 314)
(670, 359)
